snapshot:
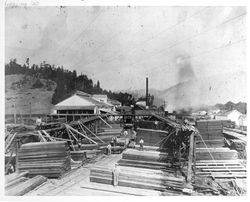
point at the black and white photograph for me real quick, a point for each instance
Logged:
(124, 100)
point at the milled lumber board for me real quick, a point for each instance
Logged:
(14, 176)
(145, 166)
(221, 167)
(107, 189)
(152, 181)
(218, 164)
(221, 170)
(219, 161)
(235, 135)
(15, 182)
(226, 176)
(26, 186)
(222, 173)
(144, 162)
(144, 186)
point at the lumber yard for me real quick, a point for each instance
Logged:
(97, 156)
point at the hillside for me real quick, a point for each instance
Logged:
(23, 90)
(206, 91)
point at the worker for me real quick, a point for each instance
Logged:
(10, 169)
(112, 141)
(141, 144)
(125, 133)
(109, 149)
(38, 121)
(116, 172)
(115, 141)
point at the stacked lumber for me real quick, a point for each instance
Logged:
(26, 186)
(210, 143)
(211, 133)
(221, 169)
(139, 178)
(146, 164)
(151, 137)
(50, 159)
(217, 154)
(152, 156)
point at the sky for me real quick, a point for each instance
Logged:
(120, 46)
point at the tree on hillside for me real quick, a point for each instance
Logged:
(67, 81)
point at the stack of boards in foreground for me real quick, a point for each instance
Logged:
(145, 170)
(50, 159)
(35, 163)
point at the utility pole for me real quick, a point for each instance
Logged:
(14, 112)
(146, 91)
(30, 111)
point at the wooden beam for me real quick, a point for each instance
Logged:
(105, 122)
(92, 132)
(190, 158)
(76, 131)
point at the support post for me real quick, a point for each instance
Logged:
(190, 158)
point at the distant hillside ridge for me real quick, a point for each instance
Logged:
(67, 81)
(206, 91)
(28, 94)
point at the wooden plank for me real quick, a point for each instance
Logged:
(26, 186)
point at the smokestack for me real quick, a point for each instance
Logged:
(146, 91)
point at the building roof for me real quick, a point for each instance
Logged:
(226, 113)
(114, 102)
(81, 93)
(80, 99)
(100, 96)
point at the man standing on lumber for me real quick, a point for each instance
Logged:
(141, 142)
(116, 172)
(109, 149)
(38, 121)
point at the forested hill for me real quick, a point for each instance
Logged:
(67, 81)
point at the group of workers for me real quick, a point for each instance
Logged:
(125, 133)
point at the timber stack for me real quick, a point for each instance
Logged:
(210, 133)
(150, 159)
(139, 178)
(50, 159)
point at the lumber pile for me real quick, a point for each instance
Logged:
(50, 159)
(152, 156)
(139, 178)
(217, 154)
(211, 133)
(26, 186)
(221, 169)
(150, 159)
